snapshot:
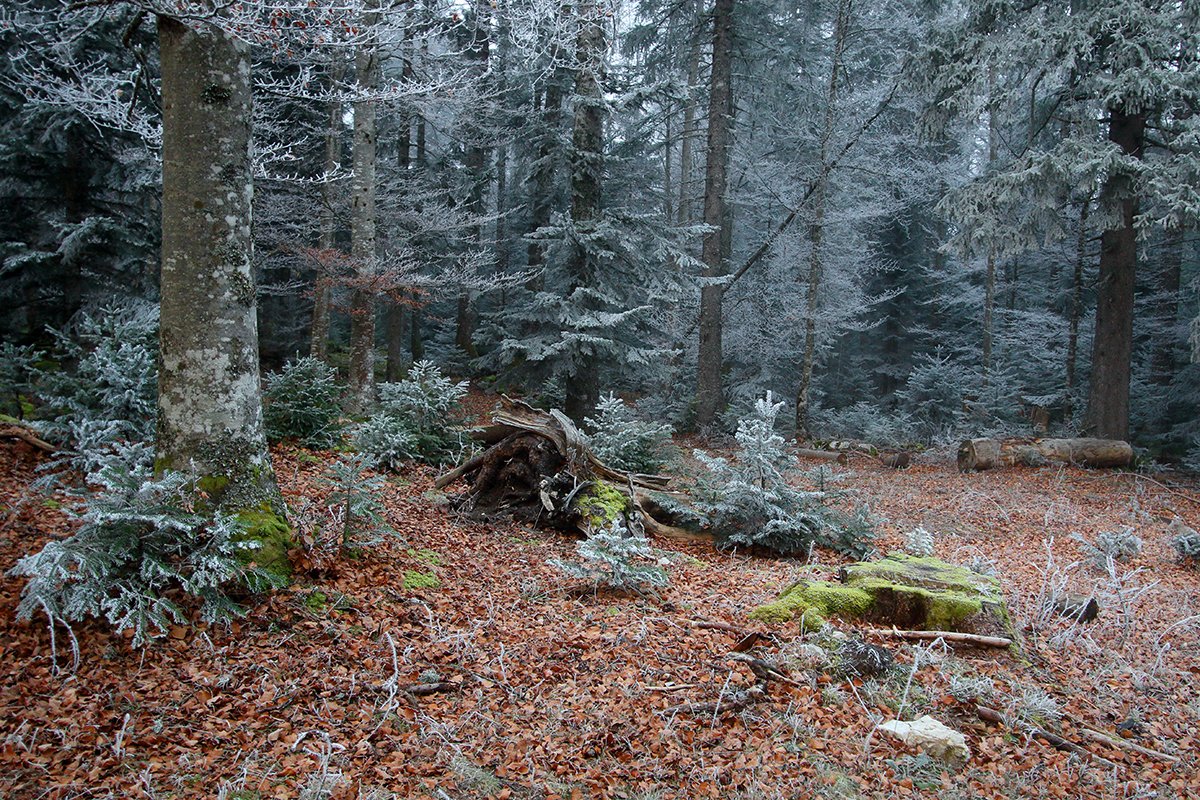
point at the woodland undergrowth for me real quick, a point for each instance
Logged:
(454, 660)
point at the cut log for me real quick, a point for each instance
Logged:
(980, 454)
(824, 455)
(27, 436)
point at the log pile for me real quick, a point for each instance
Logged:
(980, 454)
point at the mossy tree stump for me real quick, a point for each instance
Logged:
(902, 591)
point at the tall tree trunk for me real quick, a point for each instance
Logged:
(1166, 309)
(210, 406)
(710, 396)
(544, 173)
(989, 280)
(684, 212)
(1076, 304)
(322, 287)
(818, 227)
(476, 164)
(395, 341)
(1112, 350)
(587, 153)
(362, 231)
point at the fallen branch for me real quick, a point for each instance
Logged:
(1058, 742)
(949, 636)
(762, 670)
(26, 436)
(1115, 741)
(723, 706)
(824, 455)
(421, 689)
(672, 687)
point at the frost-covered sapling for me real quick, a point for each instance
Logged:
(623, 441)
(302, 401)
(137, 541)
(414, 419)
(750, 502)
(612, 558)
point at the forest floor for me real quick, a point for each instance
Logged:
(455, 661)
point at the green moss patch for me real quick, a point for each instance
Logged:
(600, 505)
(420, 580)
(900, 590)
(812, 601)
(266, 540)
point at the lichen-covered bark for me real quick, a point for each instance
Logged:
(362, 231)
(210, 405)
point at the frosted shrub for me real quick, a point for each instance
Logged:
(919, 543)
(610, 558)
(750, 502)
(1110, 547)
(1186, 542)
(413, 419)
(623, 441)
(301, 401)
(110, 394)
(137, 541)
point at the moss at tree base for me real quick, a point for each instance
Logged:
(266, 540)
(600, 505)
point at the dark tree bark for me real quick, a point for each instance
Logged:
(587, 154)
(1112, 351)
(710, 396)
(210, 406)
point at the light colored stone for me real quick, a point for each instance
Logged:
(930, 736)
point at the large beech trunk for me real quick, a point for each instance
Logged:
(977, 454)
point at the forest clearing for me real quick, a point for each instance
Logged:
(454, 661)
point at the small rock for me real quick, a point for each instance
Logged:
(932, 737)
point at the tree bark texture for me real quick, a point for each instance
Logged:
(587, 160)
(362, 233)
(980, 454)
(210, 405)
(710, 396)
(322, 287)
(1112, 348)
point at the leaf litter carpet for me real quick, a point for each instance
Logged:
(454, 661)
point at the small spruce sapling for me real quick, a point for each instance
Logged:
(413, 420)
(611, 558)
(623, 441)
(751, 502)
(352, 505)
(302, 402)
(139, 539)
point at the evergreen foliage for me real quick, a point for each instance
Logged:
(17, 370)
(99, 394)
(138, 541)
(302, 402)
(613, 558)
(413, 420)
(751, 502)
(1187, 545)
(352, 505)
(625, 442)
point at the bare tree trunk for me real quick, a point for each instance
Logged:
(587, 153)
(819, 195)
(1076, 303)
(684, 212)
(210, 406)
(322, 287)
(476, 165)
(710, 396)
(989, 281)
(362, 231)
(1166, 309)
(1112, 350)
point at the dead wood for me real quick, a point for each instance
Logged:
(824, 455)
(539, 470)
(725, 705)
(1056, 741)
(898, 460)
(949, 636)
(980, 454)
(27, 436)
